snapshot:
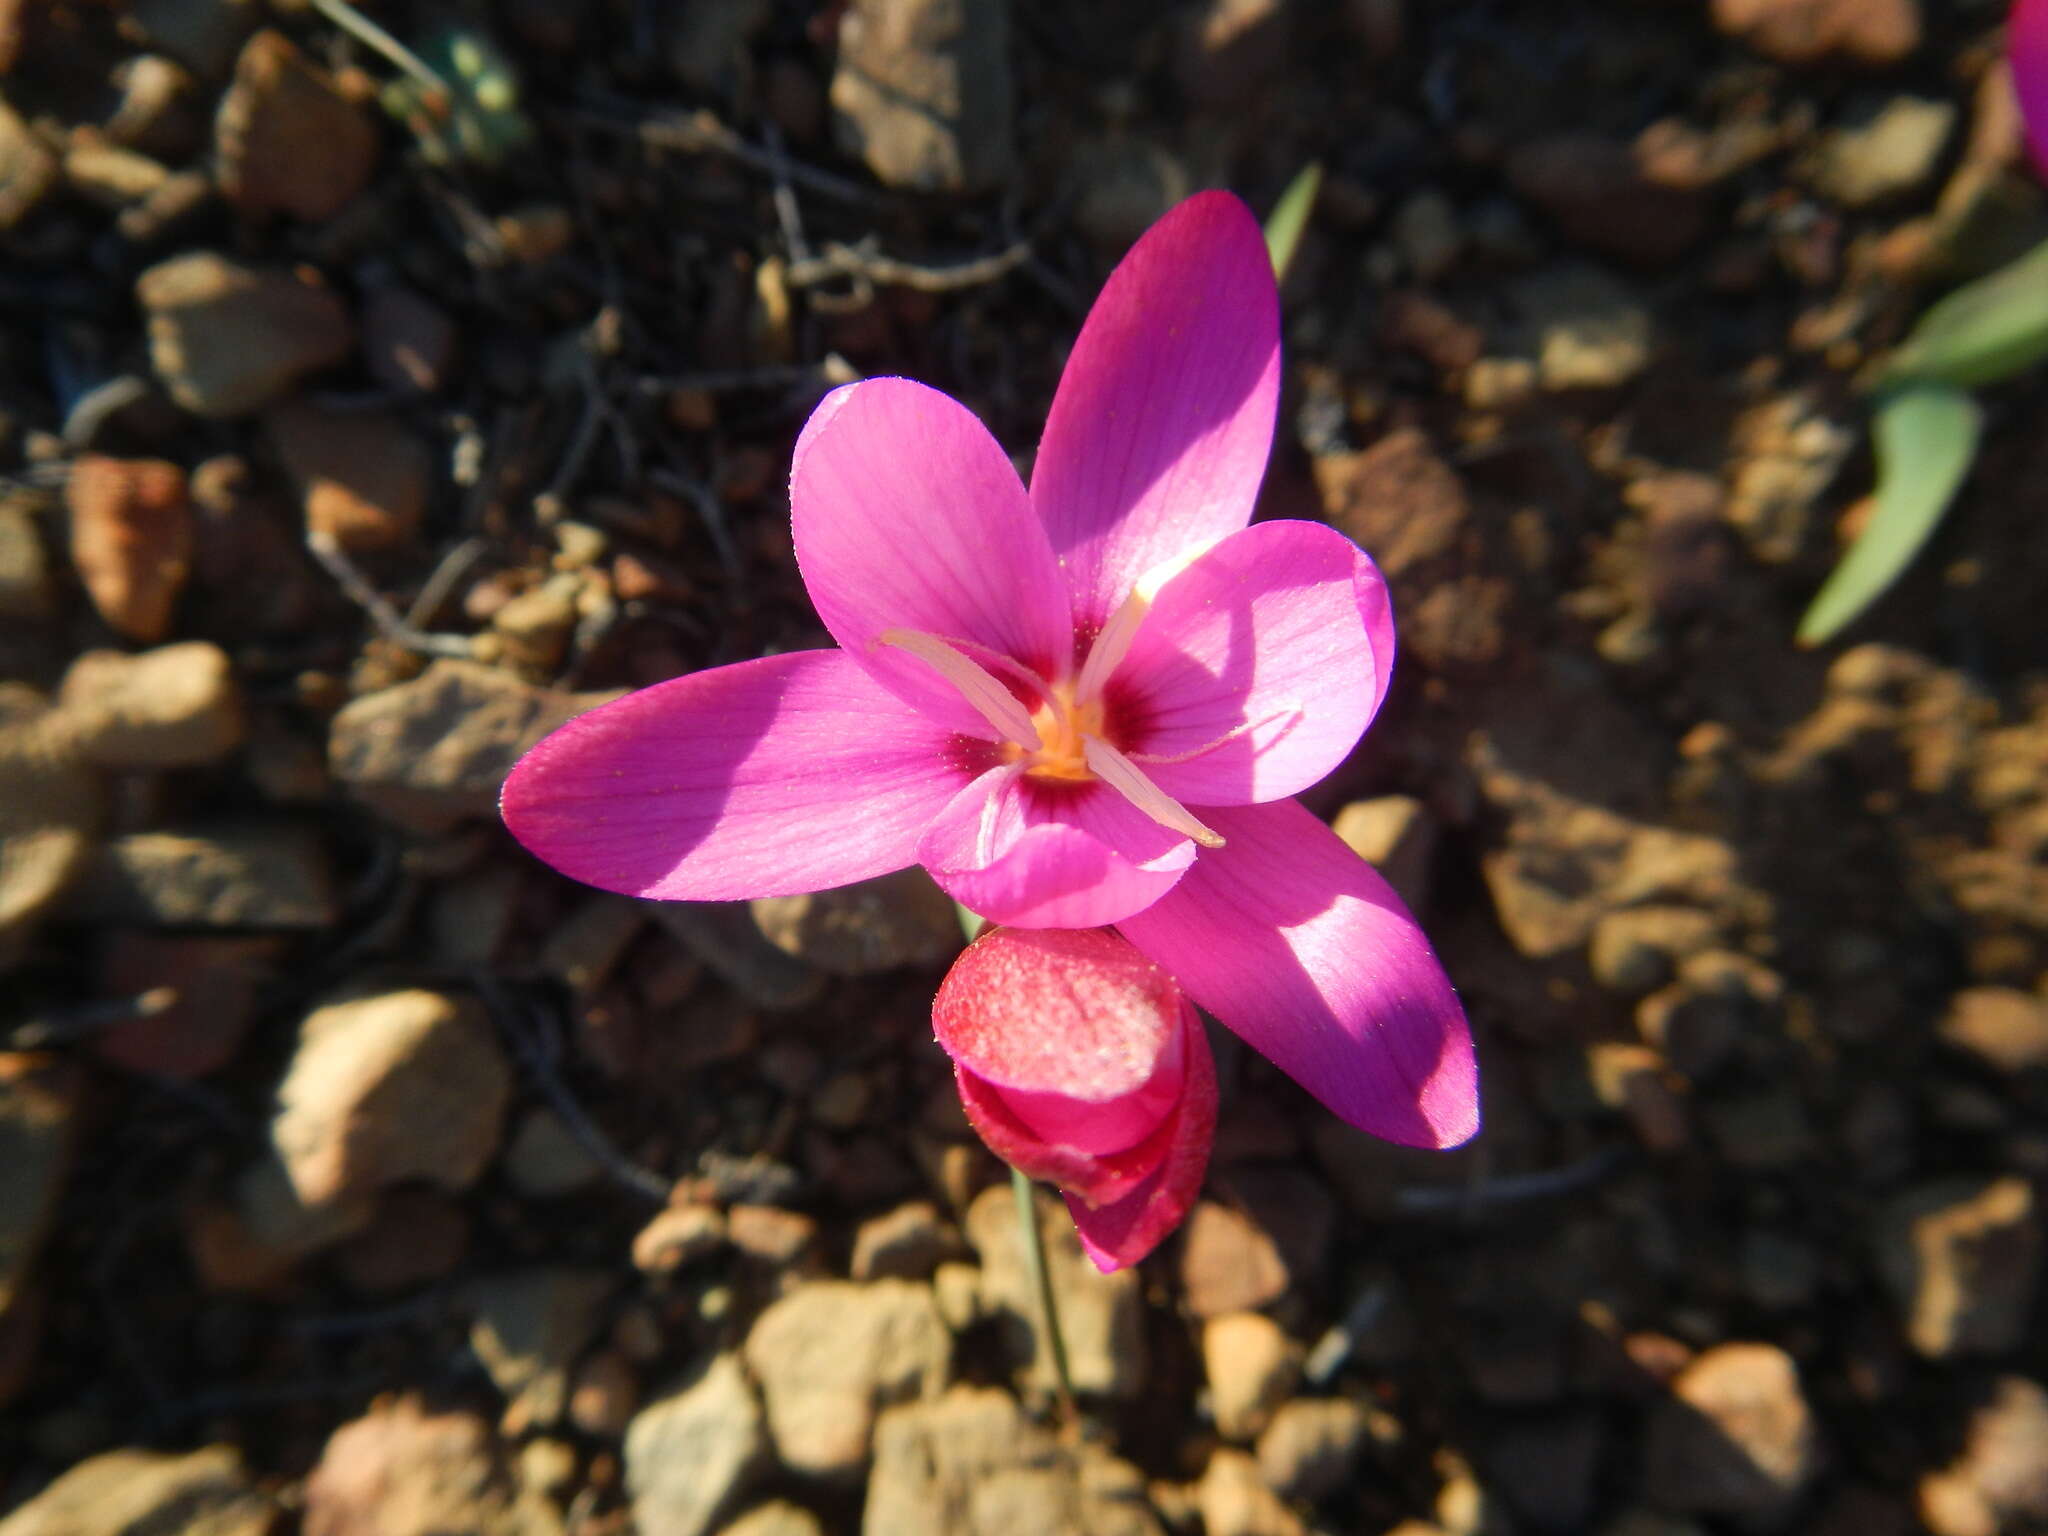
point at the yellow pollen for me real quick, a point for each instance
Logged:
(1062, 726)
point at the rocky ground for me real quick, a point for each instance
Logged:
(363, 1178)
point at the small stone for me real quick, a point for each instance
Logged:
(400, 1471)
(1101, 1316)
(1786, 455)
(695, 1451)
(922, 92)
(1251, 1367)
(1874, 32)
(1595, 191)
(38, 1106)
(1397, 835)
(1589, 332)
(387, 1087)
(2000, 1481)
(530, 1325)
(268, 874)
(408, 342)
(1235, 1501)
(228, 339)
(433, 751)
(1636, 950)
(287, 140)
(26, 594)
(28, 169)
(1961, 1259)
(1228, 1262)
(1884, 155)
(1734, 1438)
(1312, 1447)
(131, 1492)
(173, 707)
(680, 1235)
(417, 1236)
(771, 1237)
(1637, 1081)
(604, 1395)
(780, 1518)
(131, 540)
(50, 809)
(109, 174)
(907, 1244)
(830, 1354)
(253, 1243)
(363, 478)
(158, 111)
(872, 926)
(545, 1160)
(2003, 1027)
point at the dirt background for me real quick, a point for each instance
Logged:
(362, 1176)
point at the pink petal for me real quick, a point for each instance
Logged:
(1161, 425)
(2026, 43)
(1034, 855)
(1122, 1232)
(767, 778)
(1100, 1177)
(1264, 646)
(1299, 946)
(907, 515)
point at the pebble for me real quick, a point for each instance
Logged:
(1640, 1083)
(1784, 454)
(252, 1242)
(922, 92)
(1101, 1315)
(214, 982)
(401, 1471)
(781, 1518)
(1251, 1367)
(28, 169)
(1872, 32)
(2003, 1027)
(363, 478)
(1595, 192)
(529, 1327)
(266, 874)
(174, 707)
(131, 540)
(908, 1243)
(1227, 1262)
(864, 929)
(38, 1119)
(545, 1160)
(1962, 1259)
(695, 1451)
(287, 140)
(1886, 154)
(2000, 1481)
(227, 339)
(604, 1395)
(204, 1492)
(50, 810)
(159, 108)
(1312, 1447)
(387, 1087)
(678, 1236)
(1636, 949)
(26, 593)
(408, 341)
(1235, 1501)
(829, 1355)
(417, 1236)
(771, 1237)
(1397, 835)
(107, 174)
(1735, 1438)
(1586, 329)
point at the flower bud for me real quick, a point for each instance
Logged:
(1082, 1063)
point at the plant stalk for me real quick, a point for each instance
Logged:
(1048, 1309)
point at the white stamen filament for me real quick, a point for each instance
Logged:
(1128, 780)
(1114, 641)
(1287, 716)
(991, 700)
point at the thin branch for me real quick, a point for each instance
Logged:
(701, 133)
(324, 548)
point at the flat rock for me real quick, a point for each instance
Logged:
(1886, 154)
(51, 806)
(227, 339)
(780, 1518)
(38, 1106)
(865, 928)
(695, 1451)
(1101, 1316)
(922, 92)
(530, 1325)
(433, 751)
(173, 707)
(401, 1471)
(1312, 1447)
(1637, 949)
(2003, 1027)
(1235, 1501)
(1962, 1259)
(26, 592)
(907, 1243)
(1784, 455)
(287, 139)
(1586, 329)
(677, 1237)
(2000, 1481)
(140, 1493)
(268, 874)
(131, 540)
(1251, 1367)
(1228, 1262)
(1397, 835)
(388, 1087)
(830, 1354)
(1735, 1437)
(1874, 32)
(363, 478)
(28, 169)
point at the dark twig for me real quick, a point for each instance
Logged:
(1472, 1199)
(705, 500)
(701, 133)
(66, 1026)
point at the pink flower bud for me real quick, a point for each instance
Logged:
(1082, 1063)
(2026, 44)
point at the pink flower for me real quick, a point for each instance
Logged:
(1081, 1063)
(2026, 45)
(1081, 705)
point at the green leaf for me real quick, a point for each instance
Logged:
(1925, 437)
(1982, 332)
(1290, 216)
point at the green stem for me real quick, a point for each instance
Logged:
(1048, 1309)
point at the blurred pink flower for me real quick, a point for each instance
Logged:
(1081, 1063)
(2026, 45)
(1078, 705)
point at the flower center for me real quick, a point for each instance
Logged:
(1063, 730)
